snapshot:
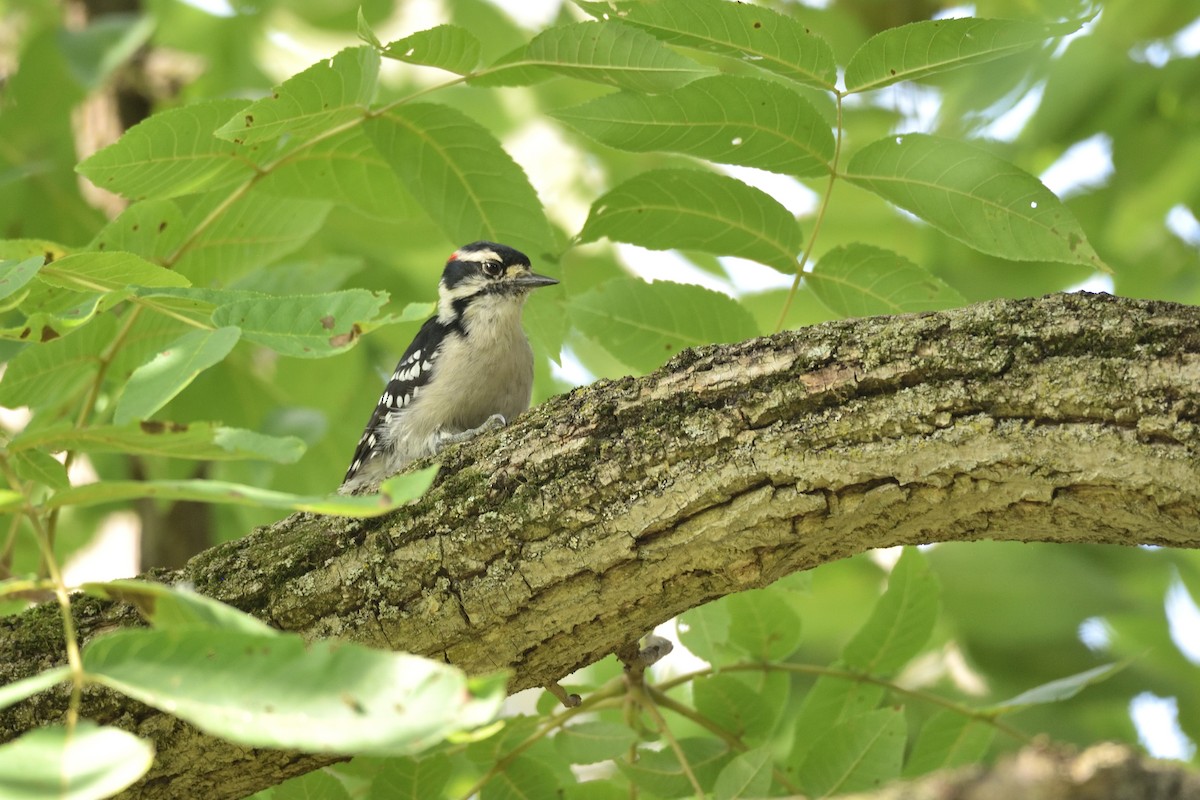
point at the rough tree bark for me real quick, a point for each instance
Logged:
(603, 512)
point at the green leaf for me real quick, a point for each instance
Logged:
(17, 691)
(733, 705)
(831, 700)
(858, 280)
(970, 194)
(206, 441)
(411, 778)
(724, 118)
(41, 468)
(365, 33)
(901, 622)
(750, 33)
(705, 631)
(612, 54)
(766, 626)
(171, 153)
(51, 375)
(304, 326)
(152, 229)
(44, 326)
(156, 382)
(523, 778)
(328, 94)
(347, 169)
(253, 231)
(643, 324)
(461, 176)
(913, 51)
(948, 739)
(313, 786)
(1057, 690)
(178, 607)
(88, 763)
(449, 47)
(15, 274)
(659, 771)
(280, 691)
(689, 209)
(746, 776)
(856, 755)
(594, 741)
(104, 272)
(394, 493)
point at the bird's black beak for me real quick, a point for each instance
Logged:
(531, 280)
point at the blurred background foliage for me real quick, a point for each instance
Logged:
(1109, 117)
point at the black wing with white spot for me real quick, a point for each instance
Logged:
(412, 373)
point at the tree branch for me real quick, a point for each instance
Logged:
(603, 512)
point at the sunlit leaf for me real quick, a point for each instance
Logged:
(645, 324)
(724, 118)
(102, 272)
(913, 51)
(745, 31)
(689, 209)
(303, 326)
(461, 176)
(449, 47)
(156, 382)
(228, 239)
(171, 153)
(208, 441)
(327, 94)
(859, 280)
(612, 54)
(15, 274)
(88, 763)
(280, 691)
(978, 198)
(394, 493)
(152, 229)
(347, 169)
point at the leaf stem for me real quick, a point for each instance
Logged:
(733, 740)
(816, 229)
(43, 537)
(643, 699)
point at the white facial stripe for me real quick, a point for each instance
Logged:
(476, 256)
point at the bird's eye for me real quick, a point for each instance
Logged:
(492, 269)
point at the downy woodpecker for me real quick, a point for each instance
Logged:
(469, 369)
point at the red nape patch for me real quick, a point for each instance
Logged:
(453, 256)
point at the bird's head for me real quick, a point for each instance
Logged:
(488, 272)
